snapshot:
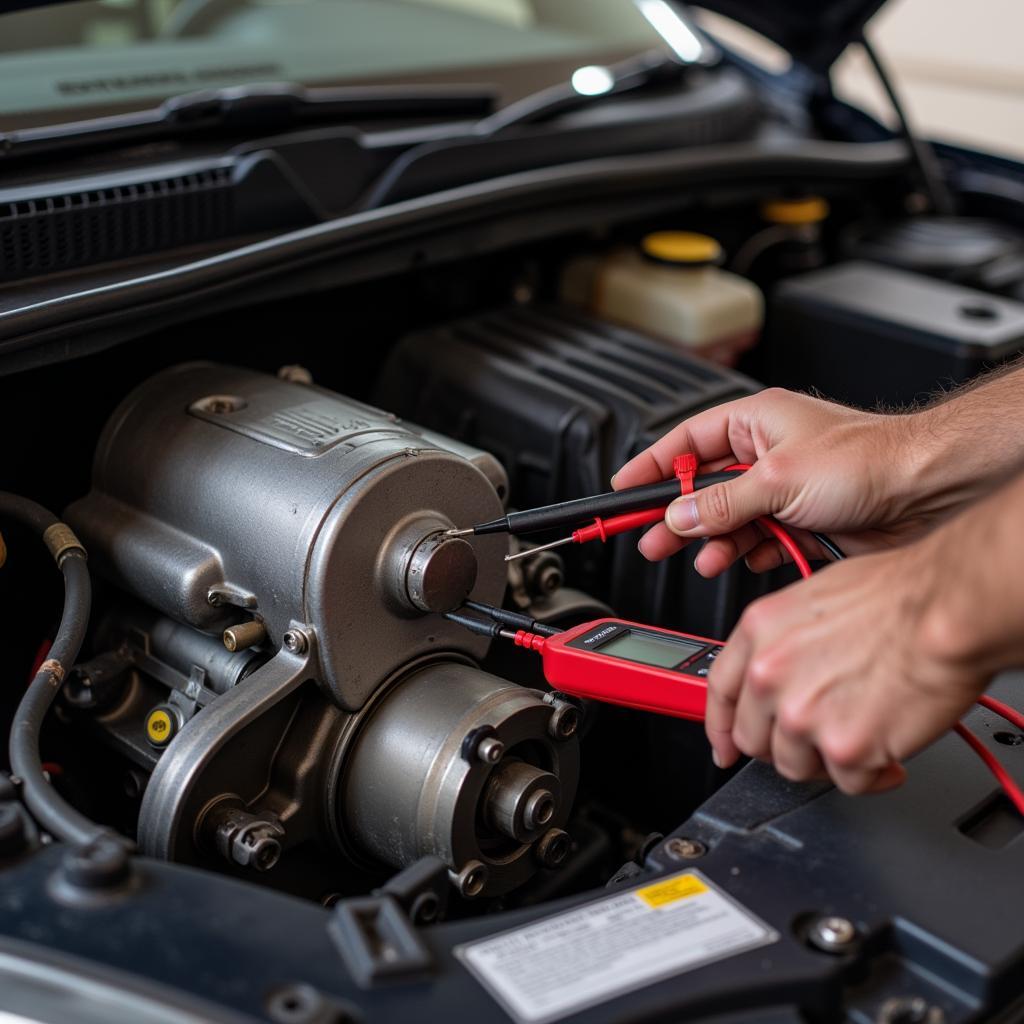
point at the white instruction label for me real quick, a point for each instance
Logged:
(586, 956)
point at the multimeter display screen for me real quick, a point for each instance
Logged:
(648, 649)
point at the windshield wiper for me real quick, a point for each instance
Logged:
(647, 71)
(261, 107)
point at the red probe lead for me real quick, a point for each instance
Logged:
(685, 467)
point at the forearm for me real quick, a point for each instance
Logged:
(975, 613)
(963, 446)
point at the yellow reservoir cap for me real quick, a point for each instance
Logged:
(683, 247)
(809, 210)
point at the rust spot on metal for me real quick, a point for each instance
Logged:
(60, 539)
(54, 668)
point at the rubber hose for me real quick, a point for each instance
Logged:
(49, 808)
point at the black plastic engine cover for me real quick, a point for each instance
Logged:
(928, 874)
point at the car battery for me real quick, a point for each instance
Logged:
(874, 335)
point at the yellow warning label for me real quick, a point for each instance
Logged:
(673, 889)
(159, 726)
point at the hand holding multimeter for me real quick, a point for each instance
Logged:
(639, 666)
(612, 660)
(625, 663)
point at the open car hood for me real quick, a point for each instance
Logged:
(814, 32)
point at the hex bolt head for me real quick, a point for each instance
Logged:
(101, 864)
(490, 750)
(685, 849)
(265, 852)
(12, 829)
(295, 641)
(553, 847)
(470, 881)
(832, 934)
(297, 1004)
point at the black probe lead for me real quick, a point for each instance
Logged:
(611, 503)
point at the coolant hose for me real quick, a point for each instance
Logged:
(52, 812)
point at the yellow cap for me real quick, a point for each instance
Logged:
(809, 210)
(681, 247)
(160, 727)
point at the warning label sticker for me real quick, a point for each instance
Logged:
(586, 956)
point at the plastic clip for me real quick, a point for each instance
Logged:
(685, 468)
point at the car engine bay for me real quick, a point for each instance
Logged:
(270, 696)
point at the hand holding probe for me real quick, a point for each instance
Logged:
(618, 512)
(612, 503)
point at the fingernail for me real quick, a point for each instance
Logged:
(614, 475)
(683, 515)
(716, 758)
(640, 548)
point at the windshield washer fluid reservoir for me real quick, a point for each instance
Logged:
(672, 288)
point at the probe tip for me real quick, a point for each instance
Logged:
(458, 533)
(526, 552)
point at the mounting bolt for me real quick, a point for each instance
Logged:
(490, 750)
(685, 849)
(295, 641)
(300, 1004)
(470, 881)
(246, 839)
(553, 847)
(832, 934)
(244, 634)
(102, 863)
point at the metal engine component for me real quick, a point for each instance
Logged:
(302, 709)
(415, 783)
(215, 486)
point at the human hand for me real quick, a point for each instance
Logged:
(815, 466)
(844, 674)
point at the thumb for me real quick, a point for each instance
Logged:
(720, 508)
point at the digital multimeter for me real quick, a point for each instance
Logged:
(627, 663)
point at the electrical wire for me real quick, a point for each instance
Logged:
(829, 545)
(785, 538)
(1012, 715)
(1010, 788)
(799, 559)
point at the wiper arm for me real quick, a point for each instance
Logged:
(261, 107)
(647, 71)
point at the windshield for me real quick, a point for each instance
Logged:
(71, 60)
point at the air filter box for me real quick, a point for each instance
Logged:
(563, 399)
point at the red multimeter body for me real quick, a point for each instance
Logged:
(627, 663)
